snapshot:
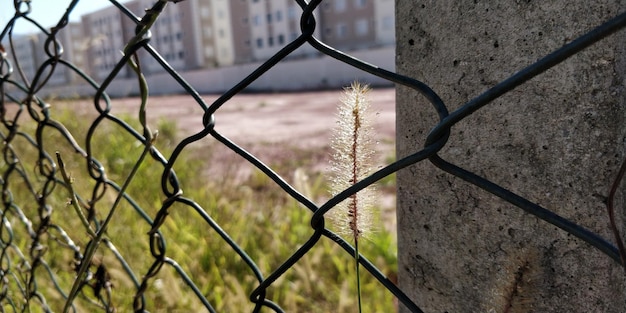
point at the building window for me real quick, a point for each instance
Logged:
(361, 27)
(340, 5)
(181, 54)
(279, 16)
(342, 30)
(259, 43)
(221, 33)
(256, 20)
(270, 41)
(269, 18)
(281, 39)
(360, 3)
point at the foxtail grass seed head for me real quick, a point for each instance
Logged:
(352, 147)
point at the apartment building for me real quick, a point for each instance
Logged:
(197, 34)
(241, 32)
(273, 24)
(212, 28)
(41, 48)
(166, 35)
(29, 54)
(70, 43)
(187, 35)
(357, 24)
(76, 45)
(106, 37)
(21, 53)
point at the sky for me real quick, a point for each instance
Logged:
(48, 12)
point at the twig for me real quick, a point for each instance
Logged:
(69, 181)
(611, 209)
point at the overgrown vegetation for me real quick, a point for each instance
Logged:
(262, 219)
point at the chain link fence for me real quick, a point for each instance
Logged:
(35, 243)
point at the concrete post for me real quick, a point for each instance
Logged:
(558, 140)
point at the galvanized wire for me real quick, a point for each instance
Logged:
(24, 269)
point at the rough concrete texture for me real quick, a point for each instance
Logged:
(558, 140)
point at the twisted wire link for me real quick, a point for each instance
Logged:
(23, 272)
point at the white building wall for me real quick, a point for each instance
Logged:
(76, 48)
(258, 29)
(312, 73)
(384, 22)
(200, 22)
(224, 46)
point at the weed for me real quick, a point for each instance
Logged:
(352, 146)
(264, 221)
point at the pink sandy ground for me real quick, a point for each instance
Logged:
(268, 124)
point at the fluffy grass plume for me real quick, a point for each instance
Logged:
(351, 162)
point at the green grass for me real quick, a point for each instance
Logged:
(261, 218)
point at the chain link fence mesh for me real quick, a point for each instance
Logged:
(49, 262)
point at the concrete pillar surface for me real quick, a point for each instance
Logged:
(557, 140)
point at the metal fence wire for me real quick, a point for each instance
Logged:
(34, 224)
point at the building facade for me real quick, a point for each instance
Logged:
(190, 35)
(348, 24)
(166, 35)
(358, 24)
(210, 24)
(69, 44)
(21, 53)
(104, 29)
(36, 53)
(198, 34)
(273, 24)
(76, 45)
(385, 22)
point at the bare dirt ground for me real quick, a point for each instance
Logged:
(268, 124)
